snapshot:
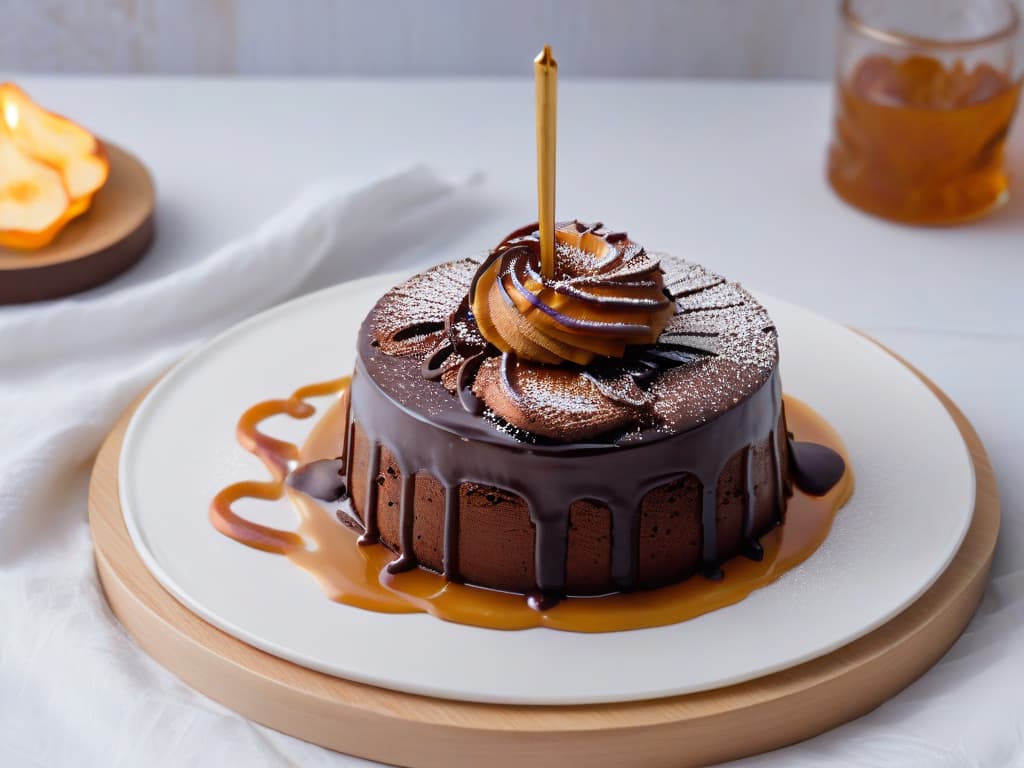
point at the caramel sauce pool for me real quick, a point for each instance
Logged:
(357, 575)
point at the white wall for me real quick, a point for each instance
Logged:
(738, 38)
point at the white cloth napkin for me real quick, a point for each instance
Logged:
(76, 691)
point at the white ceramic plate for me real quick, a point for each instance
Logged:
(908, 515)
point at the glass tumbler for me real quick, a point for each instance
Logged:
(925, 92)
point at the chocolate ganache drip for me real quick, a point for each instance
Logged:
(625, 357)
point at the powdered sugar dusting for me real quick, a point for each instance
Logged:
(424, 300)
(721, 347)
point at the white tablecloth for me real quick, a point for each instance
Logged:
(74, 690)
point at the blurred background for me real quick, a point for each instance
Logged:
(640, 38)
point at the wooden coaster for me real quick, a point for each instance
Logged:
(409, 730)
(95, 247)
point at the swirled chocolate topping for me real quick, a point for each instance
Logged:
(658, 335)
(607, 294)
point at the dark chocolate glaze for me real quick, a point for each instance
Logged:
(371, 534)
(451, 534)
(324, 479)
(543, 475)
(816, 468)
(751, 546)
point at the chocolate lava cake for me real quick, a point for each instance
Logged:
(617, 426)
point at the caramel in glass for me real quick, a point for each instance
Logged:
(920, 141)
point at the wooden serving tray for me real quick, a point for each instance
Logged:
(110, 237)
(409, 730)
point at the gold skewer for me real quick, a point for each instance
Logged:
(545, 73)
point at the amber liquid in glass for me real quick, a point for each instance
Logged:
(921, 142)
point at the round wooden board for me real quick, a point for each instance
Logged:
(409, 730)
(96, 247)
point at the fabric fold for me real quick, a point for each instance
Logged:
(68, 368)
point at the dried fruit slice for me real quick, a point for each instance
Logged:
(58, 142)
(33, 200)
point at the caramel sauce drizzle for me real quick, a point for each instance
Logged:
(360, 576)
(279, 457)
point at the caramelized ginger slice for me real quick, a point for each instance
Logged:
(40, 147)
(33, 200)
